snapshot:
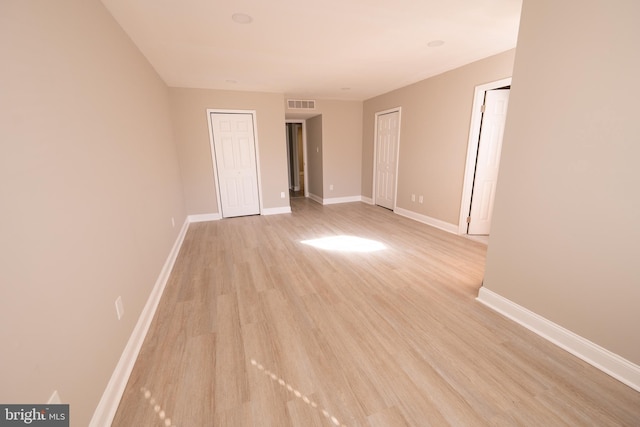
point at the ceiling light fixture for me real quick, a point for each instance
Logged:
(241, 18)
(435, 43)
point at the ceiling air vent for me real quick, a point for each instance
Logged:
(301, 104)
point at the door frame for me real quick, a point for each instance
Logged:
(304, 152)
(216, 184)
(472, 148)
(375, 149)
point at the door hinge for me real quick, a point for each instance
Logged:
(483, 108)
(468, 220)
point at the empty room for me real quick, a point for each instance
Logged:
(320, 214)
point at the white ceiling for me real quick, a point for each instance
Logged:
(321, 49)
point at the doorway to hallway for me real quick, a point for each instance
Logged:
(296, 158)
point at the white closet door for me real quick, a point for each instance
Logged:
(388, 128)
(235, 154)
(488, 163)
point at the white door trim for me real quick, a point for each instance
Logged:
(472, 148)
(304, 152)
(375, 147)
(211, 111)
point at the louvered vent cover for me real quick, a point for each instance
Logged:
(301, 104)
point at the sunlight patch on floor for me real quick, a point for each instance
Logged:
(156, 407)
(298, 394)
(345, 244)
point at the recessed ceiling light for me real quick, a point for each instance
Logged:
(435, 43)
(231, 81)
(241, 18)
(345, 88)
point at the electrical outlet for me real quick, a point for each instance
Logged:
(282, 195)
(421, 199)
(119, 308)
(173, 222)
(331, 187)
(413, 197)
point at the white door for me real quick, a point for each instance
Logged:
(488, 161)
(388, 131)
(235, 154)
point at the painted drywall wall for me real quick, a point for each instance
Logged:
(314, 157)
(89, 183)
(564, 238)
(434, 132)
(342, 145)
(191, 131)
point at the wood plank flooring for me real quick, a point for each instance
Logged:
(256, 328)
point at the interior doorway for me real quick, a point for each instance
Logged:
(483, 156)
(296, 158)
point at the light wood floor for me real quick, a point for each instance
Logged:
(257, 329)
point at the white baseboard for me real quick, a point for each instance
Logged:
(217, 216)
(601, 358)
(442, 225)
(315, 198)
(367, 200)
(204, 217)
(276, 211)
(336, 200)
(108, 405)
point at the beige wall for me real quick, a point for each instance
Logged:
(341, 146)
(565, 233)
(314, 156)
(435, 120)
(191, 131)
(89, 184)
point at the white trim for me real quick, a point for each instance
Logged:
(213, 159)
(433, 222)
(375, 147)
(276, 211)
(287, 144)
(336, 200)
(254, 119)
(367, 200)
(304, 153)
(601, 358)
(204, 217)
(108, 405)
(315, 198)
(472, 149)
(256, 143)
